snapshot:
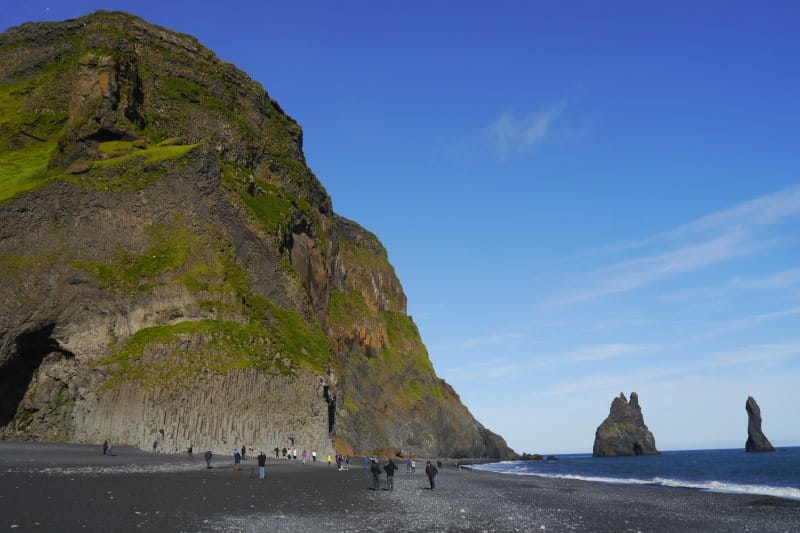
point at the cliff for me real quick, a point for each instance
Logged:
(624, 432)
(756, 440)
(171, 269)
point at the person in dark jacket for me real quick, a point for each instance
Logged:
(208, 456)
(375, 468)
(237, 460)
(244, 451)
(262, 465)
(431, 472)
(390, 468)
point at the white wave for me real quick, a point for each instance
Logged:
(711, 486)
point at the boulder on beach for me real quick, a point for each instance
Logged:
(624, 432)
(756, 440)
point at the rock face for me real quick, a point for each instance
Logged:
(756, 440)
(624, 431)
(170, 268)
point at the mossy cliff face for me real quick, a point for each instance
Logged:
(171, 269)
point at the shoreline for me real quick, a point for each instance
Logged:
(70, 487)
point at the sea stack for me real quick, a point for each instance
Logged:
(756, 440)
(624, 431)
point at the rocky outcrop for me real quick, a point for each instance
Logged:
(756, 440)
(171, 269)
(624, 432)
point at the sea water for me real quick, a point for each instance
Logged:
(766, 473)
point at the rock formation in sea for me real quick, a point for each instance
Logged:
(756, 440)
(172, 270)
(624, 432)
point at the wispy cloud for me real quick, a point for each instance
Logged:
(745, 356)
(752, 214)
(779, 281)
(632, 274)
(604, 352)
(708, 240)
(512, 134)
(500, 370)
(493, 339)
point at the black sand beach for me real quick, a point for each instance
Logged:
(49, 487)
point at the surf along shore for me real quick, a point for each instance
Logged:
(49, 487)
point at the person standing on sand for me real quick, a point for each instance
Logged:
(304, 456)
(313, 456)
(105, 447)
(413, 466)
(237, 460)
(329, 459)
(155, 445)
(375, 469)
(244, 451)
(431, 471)
(262, 465)
(190, 450)
(208, 456)
(390, 468)
(277, 452)
(408, 465)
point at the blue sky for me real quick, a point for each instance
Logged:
(580, 198)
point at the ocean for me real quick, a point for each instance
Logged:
(735, 471)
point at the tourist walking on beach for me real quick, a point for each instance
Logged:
(244, 450)
(105, 447)
(408, 465)
(304, 456)
(208, 456)
(431, 471)
(237, 460)
(262, 465)
(190, 450)
(338, 461)
(375, 469)
(390, 467)
(110, 450)
(413, 465)
(313, 456)
(155, 445)
(329, 459)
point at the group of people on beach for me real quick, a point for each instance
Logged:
(391, 467)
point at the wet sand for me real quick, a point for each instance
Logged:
(47, 487)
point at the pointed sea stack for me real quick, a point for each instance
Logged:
(624, 431)
(756, 440)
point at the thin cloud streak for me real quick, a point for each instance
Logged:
(630, 275)
(745, 356)
(512, 135)
(753, 214)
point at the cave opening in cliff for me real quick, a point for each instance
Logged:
(331, 408)
(16, 375)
